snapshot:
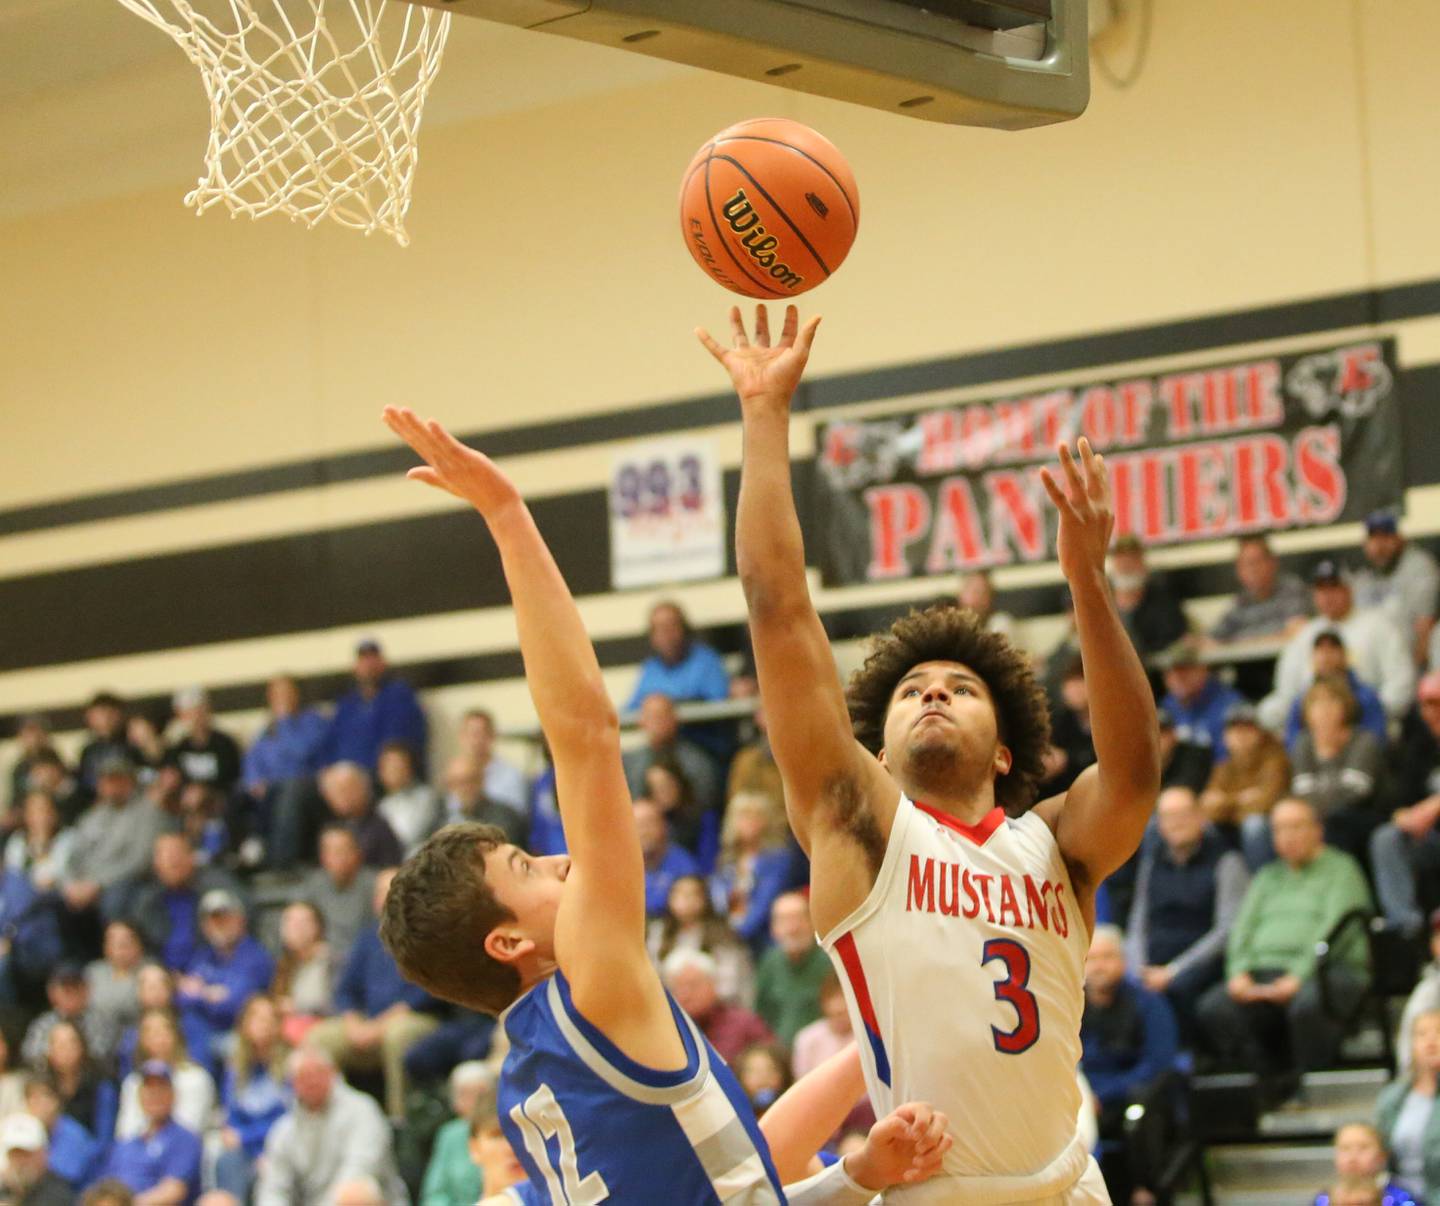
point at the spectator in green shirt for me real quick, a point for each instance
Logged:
(790, 973)
(452, 1177)
(1271, 992)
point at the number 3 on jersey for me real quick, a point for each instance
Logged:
(1012, 990)
(541, 1118)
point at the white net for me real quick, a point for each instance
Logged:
(314, 104)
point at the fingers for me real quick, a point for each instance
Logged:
(1097, 477)
(1057, 496)
(1072, 473)
(792, 322)
(762, 325)
(707, 341)
(425, 474)
(737, 328)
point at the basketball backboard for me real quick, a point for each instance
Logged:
(1007, 64)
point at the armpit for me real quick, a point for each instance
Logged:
(847, 811)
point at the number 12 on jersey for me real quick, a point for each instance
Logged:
(1013, 991)
(541, 1118)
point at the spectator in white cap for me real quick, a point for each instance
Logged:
(1399, 578)
(228, 970)
(27, 1178)
(203, 753)
(1378, 652)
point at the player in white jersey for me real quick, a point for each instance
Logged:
(956, 909)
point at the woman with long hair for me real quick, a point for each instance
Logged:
(85, 1094)
(253, 1094)
(1338, 767)
(154, 989)
(160, 1039)
(304, 984)
(757, 864)
(690, 922)
(39, 849)
(1406, 1117)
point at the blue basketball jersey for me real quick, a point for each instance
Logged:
(591, 1125)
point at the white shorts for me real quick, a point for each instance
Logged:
(1089, 1190)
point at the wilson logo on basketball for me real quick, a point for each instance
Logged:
(761, 245)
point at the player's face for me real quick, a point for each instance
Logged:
(531, 888)
(941, 731)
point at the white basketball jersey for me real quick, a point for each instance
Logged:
(964, 974)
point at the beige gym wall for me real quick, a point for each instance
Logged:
(1269, 152)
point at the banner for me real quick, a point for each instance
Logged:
(667, 513)
(1264, 444)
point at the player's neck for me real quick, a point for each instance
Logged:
(969, 809)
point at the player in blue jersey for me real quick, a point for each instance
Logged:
(609, 1092)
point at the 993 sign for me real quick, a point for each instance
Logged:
(667, 519)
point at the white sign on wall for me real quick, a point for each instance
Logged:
(667, 513)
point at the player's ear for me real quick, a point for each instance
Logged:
(506, 944)
(880, 758)
(1004, 760)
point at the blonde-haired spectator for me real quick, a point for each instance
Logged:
(757, 864)
(1405, 1114)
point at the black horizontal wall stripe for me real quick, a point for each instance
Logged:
(1390, 304)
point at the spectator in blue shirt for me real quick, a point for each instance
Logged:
(1197, 700)
(381, 708)
(1328, 658)
(165, 1161)
(758, 863)
(29, 936)
(74, 1151)
(1128, 1040)
(684, 669)
(229, 969)
(381, 1014)
(665, 862)
(547, 834)
(288, 746)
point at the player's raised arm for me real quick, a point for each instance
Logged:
(1099, 822)
(808, 722)
(606, 895)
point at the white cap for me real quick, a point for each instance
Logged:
(24, 1132)
(189, 697)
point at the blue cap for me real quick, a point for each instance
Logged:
(1326, 572)
(1381, 522)
(156, 1069)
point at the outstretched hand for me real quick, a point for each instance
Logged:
(449, 464)
(758, 370)
(1086, 517)
(906, 1146)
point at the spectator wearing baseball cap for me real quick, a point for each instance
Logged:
(1182, 762)
(1377, 651)
(227, 970)
(1328, 658)
(203, 753)
(165, 1160)
(1399, 578)
(1405, 852)
(27, 1177)
(1246, 786)
(113, 841)
(105, 722)
(1196, 699)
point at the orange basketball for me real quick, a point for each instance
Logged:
(769, 208)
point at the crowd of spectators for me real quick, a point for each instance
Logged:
(196, 1005)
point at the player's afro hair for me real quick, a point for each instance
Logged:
(947, 633)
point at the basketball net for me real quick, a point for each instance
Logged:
(314, 104)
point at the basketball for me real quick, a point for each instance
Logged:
(769, 208)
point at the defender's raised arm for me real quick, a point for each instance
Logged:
(563, 675)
